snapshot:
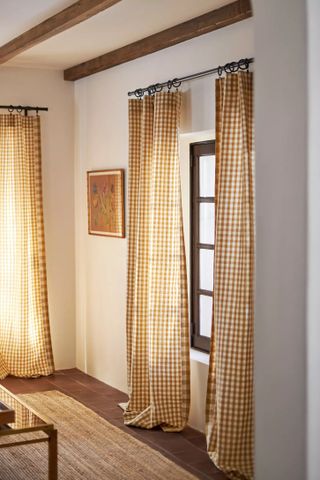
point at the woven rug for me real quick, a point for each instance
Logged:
(89, 448)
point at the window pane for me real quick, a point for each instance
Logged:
(205, 315)
(207, 175)
(206, 269)
(206, 226)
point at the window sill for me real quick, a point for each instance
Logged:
(198, 356)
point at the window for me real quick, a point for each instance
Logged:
(202, 162)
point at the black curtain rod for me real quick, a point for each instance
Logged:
(23, 108)
(231, 67)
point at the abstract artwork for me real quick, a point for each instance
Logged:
(106, 202)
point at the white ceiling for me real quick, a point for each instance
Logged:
(18, 16)
(123, 23)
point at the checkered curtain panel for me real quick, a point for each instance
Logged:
(229, 415)
(157, 310)
(25, 345)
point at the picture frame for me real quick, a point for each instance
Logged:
(105, 196)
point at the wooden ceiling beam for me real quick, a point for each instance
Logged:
(67, 18)
(221, 17)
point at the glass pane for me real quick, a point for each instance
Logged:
(206, 269)
(205, 315)
(24, 418)
(206, 223)
(207, 175)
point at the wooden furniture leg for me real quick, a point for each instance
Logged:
(53, 454)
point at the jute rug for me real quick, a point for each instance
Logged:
(90, 448)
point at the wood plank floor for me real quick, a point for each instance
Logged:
(187, 448)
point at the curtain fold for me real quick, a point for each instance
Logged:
(157, 310)
(229, 412)
(25, 343)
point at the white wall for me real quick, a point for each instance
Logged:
(281, 202)
(102, 142)
(313, 12)
(47, 88)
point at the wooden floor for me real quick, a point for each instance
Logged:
(187, 448)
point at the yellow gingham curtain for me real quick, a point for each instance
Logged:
(157, 310)
(229, 414)
(25, 344)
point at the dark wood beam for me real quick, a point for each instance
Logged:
(221, 17)
(70, 16)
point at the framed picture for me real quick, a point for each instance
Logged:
(106, 202)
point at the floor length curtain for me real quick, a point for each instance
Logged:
(25, 344)
(229, 416)
(157, 311)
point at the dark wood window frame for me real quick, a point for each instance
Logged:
(197, 150)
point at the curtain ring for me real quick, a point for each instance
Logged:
(158, 88)
(138, 93)
(37, 111)
(176, 83)
(234, 67)
(10, 109)
(151, 90)
(169, 85)
(242, 64)
(220, 70)
(19, 109)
